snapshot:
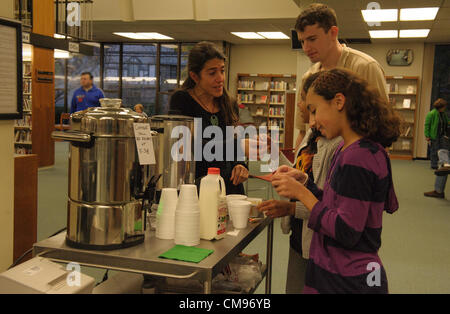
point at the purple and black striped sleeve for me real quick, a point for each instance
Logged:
(352, 191)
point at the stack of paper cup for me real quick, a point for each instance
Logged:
(165, 216)
(240, 211)
(234, 197)
(187, 216)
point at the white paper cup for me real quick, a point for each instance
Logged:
(239, 207)
(169, 197)
(234, 197)
(165, 225)
(187, 227)
(188, 193)
(188, 199)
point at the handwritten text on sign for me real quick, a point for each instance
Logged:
(144, 143)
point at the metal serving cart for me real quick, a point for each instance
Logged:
(143, 258)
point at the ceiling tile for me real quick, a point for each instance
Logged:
(441, 25)
(443, 13)
(416, 24)
(384, 4)
(351, 24)
(419, 3)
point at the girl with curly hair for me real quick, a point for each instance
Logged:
(346, 215)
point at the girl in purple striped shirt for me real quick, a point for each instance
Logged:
(346, 215)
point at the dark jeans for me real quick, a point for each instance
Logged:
(437, 144)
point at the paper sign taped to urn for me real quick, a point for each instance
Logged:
(144, 143)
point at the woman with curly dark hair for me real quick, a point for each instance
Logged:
(346, 215)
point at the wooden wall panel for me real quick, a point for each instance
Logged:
(25, 203)
(43, 100)
(289, 120)
(44, 17)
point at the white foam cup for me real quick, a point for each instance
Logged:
(240, 211)
(169, 199)
(234, 197)
(188, 193)
(187, 227)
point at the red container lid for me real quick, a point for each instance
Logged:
(213, 171)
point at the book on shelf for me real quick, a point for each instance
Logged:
(22, 136)
(25, 121)
(26, 68)
(407, 103)
(261, 99)
(393, 88)
(278, 85)
(27, 87)
(276, 111)
(259, 111)
(246, 84)
(410, 89)
(21, 150)
(245, 97)
(277, 99)
(26, 104)
(407, 131)
(276, 123)
(406, 145)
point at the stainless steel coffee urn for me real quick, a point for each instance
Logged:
(175, 163)
(106, 180)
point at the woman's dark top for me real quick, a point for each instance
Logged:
(182, 103)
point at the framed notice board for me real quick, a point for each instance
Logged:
(10, 69)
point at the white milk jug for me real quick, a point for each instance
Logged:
(213, 206)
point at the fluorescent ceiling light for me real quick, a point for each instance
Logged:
(129, 35)
(143, 35)
(273, 35)
(158, 36)
(61, 54)
(418, 14)
(384, 34)
(389, 15)
(414, 33)
(260, 35)
(247, 35)
(90, 43)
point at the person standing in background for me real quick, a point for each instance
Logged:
(441, 175)
(139, 108)
(88, 95)
(436, 125)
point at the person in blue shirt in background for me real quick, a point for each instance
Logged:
(88, 95)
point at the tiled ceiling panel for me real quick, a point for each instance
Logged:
(351, 24)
